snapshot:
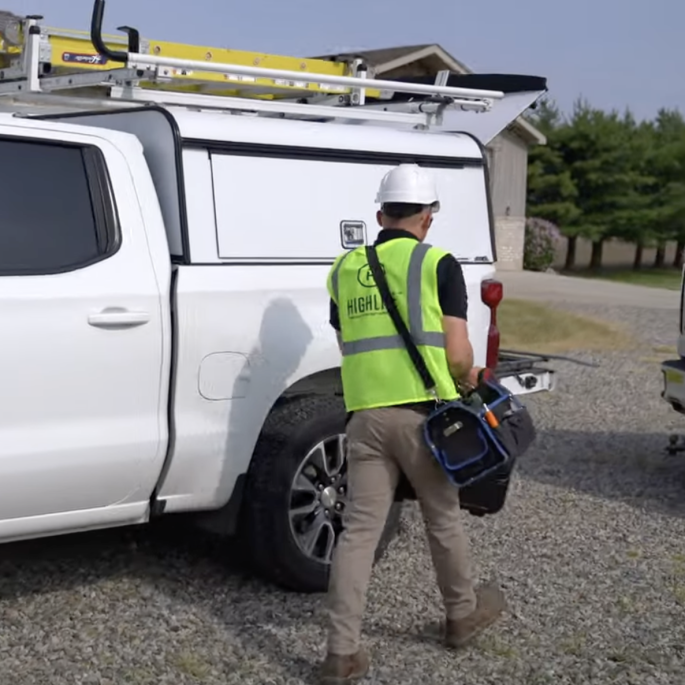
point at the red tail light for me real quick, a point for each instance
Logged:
(491, 292)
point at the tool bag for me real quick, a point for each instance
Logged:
(477, 438)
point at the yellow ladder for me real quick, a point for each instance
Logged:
(64, 52)
(38, 62)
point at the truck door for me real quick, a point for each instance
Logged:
(82, 352)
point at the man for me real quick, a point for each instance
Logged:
(388, 405)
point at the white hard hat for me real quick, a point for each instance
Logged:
(409, 183)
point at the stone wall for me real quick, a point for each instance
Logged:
(509, 237)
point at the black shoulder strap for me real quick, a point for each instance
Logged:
(389, 302)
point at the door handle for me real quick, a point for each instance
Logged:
(118, 318)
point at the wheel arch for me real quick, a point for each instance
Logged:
(225, 521)
(248, 516)
(324, 382)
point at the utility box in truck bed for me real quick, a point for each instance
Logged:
(168, 346)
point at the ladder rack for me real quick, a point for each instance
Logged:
(39, 63)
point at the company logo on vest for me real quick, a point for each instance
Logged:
(361, 306)
(368, 304)
(365, 277)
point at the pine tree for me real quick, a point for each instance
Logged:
(551, 191)
(668, 199)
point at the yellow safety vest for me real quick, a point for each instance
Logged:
(376, 368)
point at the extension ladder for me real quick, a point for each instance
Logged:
(39, 63)
(68, 52)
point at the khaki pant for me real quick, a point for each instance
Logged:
(381, 443)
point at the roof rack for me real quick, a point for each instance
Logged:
(38, 61)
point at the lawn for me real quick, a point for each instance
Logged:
(534, 327)
(654, 278)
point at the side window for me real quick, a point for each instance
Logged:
(56, 207)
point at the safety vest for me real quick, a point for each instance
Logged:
(376, 368)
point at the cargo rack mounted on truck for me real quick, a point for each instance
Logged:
(73, 69)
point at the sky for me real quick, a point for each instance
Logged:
(613, 53)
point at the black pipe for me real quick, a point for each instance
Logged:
(549, 357)
(133, 38)
(96, 35)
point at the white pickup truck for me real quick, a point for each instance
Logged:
(166, 345)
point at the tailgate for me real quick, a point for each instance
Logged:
(523, 374)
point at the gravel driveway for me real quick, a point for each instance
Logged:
(590, 550)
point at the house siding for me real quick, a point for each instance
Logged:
(508, 161)
(509, 174)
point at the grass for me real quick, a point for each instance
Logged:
(679, 593)
(496, 647)
(574, 644)
(678, 559)
(625, 605)
(663, 352)
(192, 665)
(534, 327)
(668, 278)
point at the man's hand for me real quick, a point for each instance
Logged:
(475, 375)
(471, 380)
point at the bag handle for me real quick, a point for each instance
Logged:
(391, 306)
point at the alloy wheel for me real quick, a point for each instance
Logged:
(318, 497)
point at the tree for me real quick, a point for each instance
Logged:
(668, 199)
(551, 191)
(633, 215)
(606, 157)
(603, 175)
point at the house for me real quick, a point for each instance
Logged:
(507, 153)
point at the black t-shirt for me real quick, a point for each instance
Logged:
(451, 287)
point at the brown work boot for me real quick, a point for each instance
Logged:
(490, 605)
(339, 670)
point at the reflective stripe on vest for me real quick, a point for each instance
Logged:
(415, 312)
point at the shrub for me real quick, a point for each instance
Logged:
(540, 240)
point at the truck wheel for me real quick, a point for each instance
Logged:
(295, 494)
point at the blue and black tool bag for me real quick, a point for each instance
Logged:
(479, 434)
(475, 439)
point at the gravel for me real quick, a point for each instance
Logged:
(590, 550)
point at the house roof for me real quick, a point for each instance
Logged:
(427, 59)
(380, 55)
(389, 59)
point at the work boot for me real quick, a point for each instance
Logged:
(490, 604)
(339, 670)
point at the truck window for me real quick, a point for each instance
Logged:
(56, 208)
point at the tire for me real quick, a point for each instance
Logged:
(275, 546)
